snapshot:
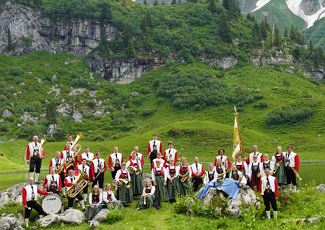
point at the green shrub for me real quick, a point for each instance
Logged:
(289, 114)
(148, 112)
(114, 216)
(260, 105)
(12, 207)
(15, 71)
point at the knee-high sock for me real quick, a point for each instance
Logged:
(294, 188)
(36, 177)
(268, 214)
(26, 222)
(82, 202)
(85, 196)
(275, 214)
(32, 174)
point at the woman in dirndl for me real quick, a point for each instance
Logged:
(148, 195)
(124, 188)
(134, 167)
(95, 203)
(279, 167)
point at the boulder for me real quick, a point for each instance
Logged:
(15, 190)
(76, 92)
(98, 113)
(77, 116)
(101, 215)
(72, 216)
(226, 62)
(92, 93)
(6, 113)
(48, 220)
(10, 222)
(321, 188)
(4, 198)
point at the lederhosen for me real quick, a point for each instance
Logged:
(32, 204)
(117, 166)
(58, 163)
(71, 199)
(85, 189)
(35, 160)
(153, 154)
(99, 178)
(54, 187)
(197, 181)
(291, 176)
(269, 197)
(255, 181)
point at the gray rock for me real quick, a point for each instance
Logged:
(321, 188)
(76, 92)
(6, 113)
(92, 93)
(15, 190)
(64, 109)
(27, 117)
(73, 216)
(10, 222)
(98, 113)
(53, 129)
(101, 215)
(4, 198)
(225, 62)
(55, 90)
(77, 116)
(146, 176)
(48, 220)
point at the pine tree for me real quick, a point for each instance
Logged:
(286, 33)
(156, 3)
(212, 6)
(145, 2)
(277, 38)
(232, 7)
(265, 28)
(256, 38)
(224, 31)
(131, 50)
(173, 2)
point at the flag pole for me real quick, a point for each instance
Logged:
(241, 141)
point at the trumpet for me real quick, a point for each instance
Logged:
(134, 170)
(122, 182)
(81, 182)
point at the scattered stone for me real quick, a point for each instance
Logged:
(101, 215)
(76, 92)
(54, 78)
(64, 109)
(321, 188)
(26, 117)
(10, 222)
(56, 90)
(225, 62)
(77, 116)
(48, 220)
(92, 93)
(53, 129)
(98, 113)
(6, 113)
(72, 216)
(4, 198)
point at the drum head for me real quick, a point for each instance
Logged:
(52, 204)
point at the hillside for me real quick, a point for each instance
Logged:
(317, 33)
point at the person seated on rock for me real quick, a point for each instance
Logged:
(52, 182)
(95, 203)
(210, 181)
(148, 195)
(231, 186)
(109, 199)
(30, 195)
(270, 191)
(69, 181)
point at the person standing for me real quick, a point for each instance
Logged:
(114, 161)
(170, 153)
(185, 174)
(172, 181)
(135, 169)
(30, 195)
(33, 156)
(197, 173)
(292, 163)
(224, 159)
(254, 172)
(279, 167)
(154, 147)
(69, 181)
(255, 152)
(60, 168)
(159, 178)
(86, 170)
(124, 190)
(86, 155)
(138, 155)
(270, 191)
(98, 169)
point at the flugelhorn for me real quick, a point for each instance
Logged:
(81, 182)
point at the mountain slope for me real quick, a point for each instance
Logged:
(316, 33)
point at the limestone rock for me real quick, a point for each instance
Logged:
(98, 113)
(4, 198)
(73, 216)
(48, 220)
(226, 62)
(6, 113)
(27, 117)
(76, 92)
(64, 109)
(101, 215)
(77, 116)
(321, 188)
(10, 222)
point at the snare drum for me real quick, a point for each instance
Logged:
(52, 204)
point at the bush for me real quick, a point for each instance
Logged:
(15, 71)
(12, 207)
(289, 114)
(114, 216)
(148, 112)
(260, 105)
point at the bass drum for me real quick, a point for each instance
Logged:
(52, 204)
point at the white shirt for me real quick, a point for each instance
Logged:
(250, 168)
(152, 190)
(49, 179)
(188, 169)
(119, 172)
(89, 158)
(31, 192)
(258, 154)
(85, 169)
(60, 163)
(162, 162)
(170, 155)
(157, 143)
(291, 158)
(264, 183)
(196, 171)
(168, 173)
(137, 162)
(91, 199)
(65, 155)
(115, 157)
(97, 166)
(162, 169)
(111, 198)
(206, 178)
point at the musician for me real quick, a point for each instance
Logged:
(172, 181)
(114, 161)
(197, 170)
(123, 177)
(185, 174)
(154, 147)
(30, 195)
(86, 170)
(139, 155)
(148, 195)
(267, 163)
(240, 164)
(86, 155)
(135, 169)
(255, 152)
(95, 203)
(269, 190)
(33, 156)
(254, 172)
(159, 178)
(292, 163)
(69, 141)
(52, 182)
(69, 181)
(98, 168)
(211, 174)
(109, 199)
(59, 164)
(67, 154)
(170, 153)
(224, 159)
(221, 172)
(279, 167)
(159, 158)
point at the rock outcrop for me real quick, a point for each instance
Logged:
(72, 216)
(10, 222)
(11, 194)
(23, 29)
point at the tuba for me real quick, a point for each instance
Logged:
(75, 190)
(75, 143)
(134, 170)
(122, 182)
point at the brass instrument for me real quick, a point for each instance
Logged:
(134, 170)
(70, 163)
(43, 141)
(60, 169)
(81, 183)
(120, 183)
(277, 166)
(297, 174)
(184, 177)
(78, 137)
